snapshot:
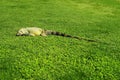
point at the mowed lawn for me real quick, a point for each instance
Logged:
(55, 57)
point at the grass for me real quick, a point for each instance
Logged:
(60, 58)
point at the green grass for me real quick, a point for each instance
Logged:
(60, 58)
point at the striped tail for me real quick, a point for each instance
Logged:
(49, 32)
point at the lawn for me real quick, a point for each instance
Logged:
(55, 57)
